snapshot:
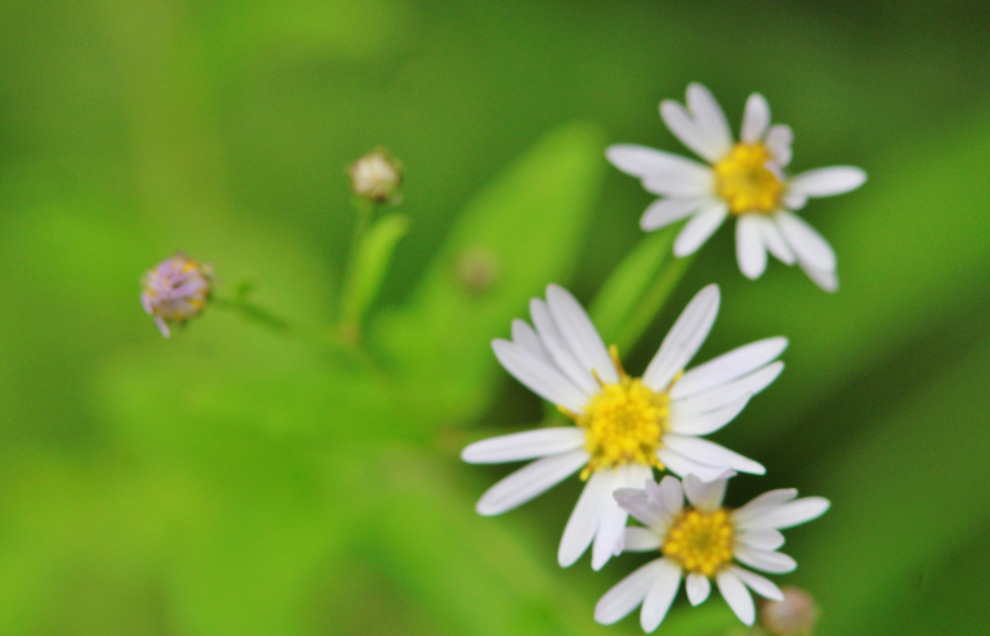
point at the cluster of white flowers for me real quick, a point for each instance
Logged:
(627, 429)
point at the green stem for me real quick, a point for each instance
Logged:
(653, 301)
(349, 322)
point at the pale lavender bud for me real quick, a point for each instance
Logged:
(376, 176)
(175, 290)
(796, 615)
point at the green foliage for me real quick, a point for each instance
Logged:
(370, 266)
(238, 479)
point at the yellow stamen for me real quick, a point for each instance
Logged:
(624, 422)
(613, 352)
(701, 542)
(745, 180)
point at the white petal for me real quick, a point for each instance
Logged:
(608, 539)
(726, 394)
(660, 595)
(750, 252)
(580, 334)
(778, 142)
(539, 377)
(529, 481)
(826, 182)
(807, 243)
(671, 493)
(700, 228)
(526, 445)
(755, 119)
(759, 506)
(794, 200)
(776, 562)
(524, 336)
(710, 119)
(628, 593)
(663, 212)
(559, 351)
(728, 367)
(636, 539)
(825, 279)
(685, 129)
(698, 588)
(683, 466)
(761, 585)
(774, 241)
(711, 454)
(640, 161)
(706, 497)
(763, 539)
(790, 514)
(684, 338)
(737, 596)
(642, 507)
(700, 424)
(586, 517)
(686, 182)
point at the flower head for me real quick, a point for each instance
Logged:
(175, 290)
(376, 176)
(702, 541)
(745, 179)
(624, 426)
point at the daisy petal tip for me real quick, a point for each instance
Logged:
(485, 509)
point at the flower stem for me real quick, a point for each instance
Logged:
(653, 301)
(349, 324)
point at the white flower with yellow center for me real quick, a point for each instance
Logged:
(746, 180)
(701, 542)
(624, 426)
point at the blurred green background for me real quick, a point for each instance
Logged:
(233, 481)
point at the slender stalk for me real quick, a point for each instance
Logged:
(349, 326)
(653, 301)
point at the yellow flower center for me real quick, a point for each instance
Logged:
(623, 423)
(744, 180)
(700, 542)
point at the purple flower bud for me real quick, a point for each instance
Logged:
(175, 290)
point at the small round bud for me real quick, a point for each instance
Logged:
(796, 615)
(376, 176)
(175, 290)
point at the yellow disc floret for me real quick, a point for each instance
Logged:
(624, 423)
(746, 180)
(700, 542)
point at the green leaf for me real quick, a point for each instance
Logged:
(370, 266)
(523, 232)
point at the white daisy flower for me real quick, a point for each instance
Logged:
(745, 179)
(700, 542)
(624, 426)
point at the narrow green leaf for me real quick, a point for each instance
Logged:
(521, 233)
(370, 266)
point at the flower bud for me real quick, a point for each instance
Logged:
(175, 290)
(376, 176)
(796, 615)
